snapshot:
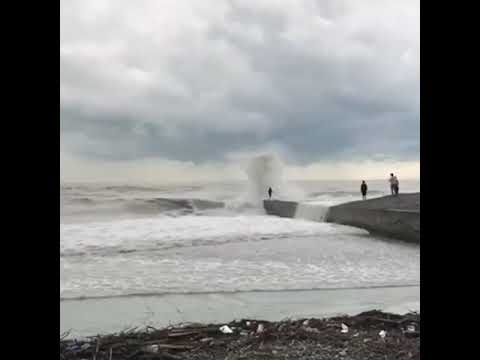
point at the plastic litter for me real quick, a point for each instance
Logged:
(382, 334)
(344, 329)
(152, 348)
(260, 328)
(311, 330)
(226, 330)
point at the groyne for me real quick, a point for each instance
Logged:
(396, 217)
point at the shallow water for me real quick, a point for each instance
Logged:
(117, 242)
(101, 316)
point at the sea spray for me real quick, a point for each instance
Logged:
(266, 171)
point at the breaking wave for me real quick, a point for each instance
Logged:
(138, 206)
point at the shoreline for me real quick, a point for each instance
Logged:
(372, 334)
(97, 316)
(233, 292)
(313, 307)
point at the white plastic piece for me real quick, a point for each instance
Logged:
(226, 330)
(152, 348)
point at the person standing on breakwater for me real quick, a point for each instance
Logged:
(270, 192)
(363, 189)
(393, 184)
(397, 186)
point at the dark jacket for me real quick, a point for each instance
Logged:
(364, 188)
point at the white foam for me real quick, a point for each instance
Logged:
(163, 231)
(235, 267)
(250, 252)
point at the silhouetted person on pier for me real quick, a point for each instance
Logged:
(270, 192)
(364, 189)
(393, 184)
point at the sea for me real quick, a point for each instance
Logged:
(159, 254)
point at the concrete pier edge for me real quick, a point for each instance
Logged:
(396, 217)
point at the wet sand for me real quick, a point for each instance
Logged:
(100, 316)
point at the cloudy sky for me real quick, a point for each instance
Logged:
(179, 89)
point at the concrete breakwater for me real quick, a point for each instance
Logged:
(280, 208)
(396, 217)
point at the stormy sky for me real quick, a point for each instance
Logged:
(168, 89)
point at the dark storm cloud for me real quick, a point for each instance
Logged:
(129, 139)
(195, 81)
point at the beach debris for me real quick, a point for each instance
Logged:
(344, 329)
(151, 348)
(193, 341)
(248, 323)
(411, 331)
(305, 323)
(226, 329)
(74, 348)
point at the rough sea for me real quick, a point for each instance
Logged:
(211, 243)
